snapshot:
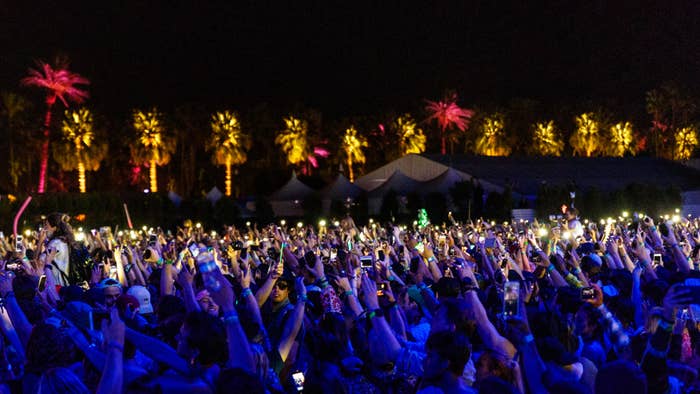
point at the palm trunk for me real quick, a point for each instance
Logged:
(45, 147)
(153, 176)
(81, 177)
(442, 141)
(351, 174)
(228, 177)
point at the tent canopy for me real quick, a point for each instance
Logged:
(340, 189)
(294, 189)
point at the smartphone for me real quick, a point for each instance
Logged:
(587, 293)
(42, 283)
(334, 254)
(152, 239)
(380, 289)
(658, 260)
(420, 247)
(19, 247)
(96, 318)
(489, 243)
(366, 262)
(298, 378)
(349, 245)
(511, 298)
(194, 250)
(442, 239)
(381, 255)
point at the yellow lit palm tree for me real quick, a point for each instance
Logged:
(352, 147)
(547, 141)
(293, 140)
(492, 140)
(411, 137)
(151, 146)
(686, 141)
(621, 140)
(586, 140)
(80, 148)
(228, 142)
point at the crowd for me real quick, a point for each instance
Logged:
(521, 307)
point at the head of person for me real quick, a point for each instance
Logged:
(571, 213)
(280, 292)
(490, 364)
(111, 290)
(447, 354)
(61, 380)
(620, 377)
(202, 339)
(452, 316)
(57, 227)
(49, 347)
(587, 321)
(206, 303)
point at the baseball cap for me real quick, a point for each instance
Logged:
(143, 296)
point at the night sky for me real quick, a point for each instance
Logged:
(355, 57)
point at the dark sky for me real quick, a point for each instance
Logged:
(354, 57)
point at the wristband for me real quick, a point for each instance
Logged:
(431, 259)
(665, 325)
(550, 268)
(231, 318)
(576, 271)
(371, 314)
(302, 298)
(391, 278)
(323, 283)
(115, 345)
(652, 228)
(349, 293)
(527, 339)
(159, 262)
(168, 262)
(246, 292)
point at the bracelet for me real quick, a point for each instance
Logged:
(168, 262)
(246, 292)
(391, 278)
(431, 259)
(348, 293)
(159, 262)
(302, 298)
(231, 318)
(665, 325)
(527, 339)
(371, 314)
(323, 283)
(652, 228)
(550, 268)
(576, 271)
(115, 345)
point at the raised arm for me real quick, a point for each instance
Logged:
(112, 379)
(492, 339)
(293, 325)
(264, 291)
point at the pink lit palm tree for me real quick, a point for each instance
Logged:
(59, 83)
(448, 115)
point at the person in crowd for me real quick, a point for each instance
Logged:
(469, 307)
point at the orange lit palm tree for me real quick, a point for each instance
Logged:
(586, 140)
(492, 141)
(448, 115)
(352, 147)
(228, 142)
(546, 139)
(411, 138)
(81, 148)
(295, 144)
(59, 83)
(151, 147)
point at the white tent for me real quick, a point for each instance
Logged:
(413, 166)
(444, 182)
(287, 200)
(399, 183)
(341, 189)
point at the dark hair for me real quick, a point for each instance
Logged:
(49, 347)
(240, 380)
(60, 380)
(620, 377)
(457, 313)
(208, 335)
(453, 347)
(63, 229)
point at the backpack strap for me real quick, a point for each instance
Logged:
(63, 274)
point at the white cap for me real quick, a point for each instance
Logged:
(143, 296)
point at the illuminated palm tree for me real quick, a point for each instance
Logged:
(547, 141)
(352, 147)
(228, 142)
(411, 138)
(492, 141)
(621, 140)
(59, 83)
(685, 142)
(295, 144)
(586, 140)
(151, 147)
(80, 148)
(448, 115)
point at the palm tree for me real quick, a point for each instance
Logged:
(352, 147)
(448, 114)
(621, 140)
(586, 139)
(295, 144)
(547, 141)
(151, 147)
(59, 83)
(685, 142)
(411, 138)
(80, 147)
(492, 140)
(228, 142)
